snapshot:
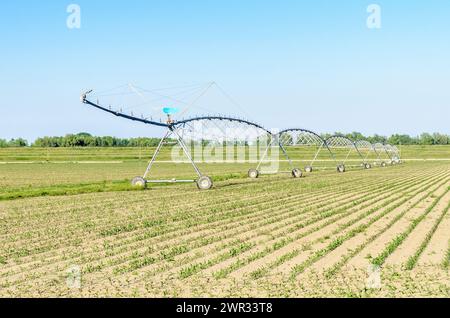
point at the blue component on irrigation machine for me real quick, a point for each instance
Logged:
(170, 110)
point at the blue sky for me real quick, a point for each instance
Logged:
(308, 64)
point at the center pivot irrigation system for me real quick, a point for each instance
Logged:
(219, 129)
(302, 144)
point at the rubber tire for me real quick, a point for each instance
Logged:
(253, 173)
(139, 182)
(383, 164)
(309, 169)
(341, 168)
(367, 166)
(204, 183)
(296, 173)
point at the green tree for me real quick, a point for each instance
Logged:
(355, 136)
(376, 138)
(401, 140)
(84, 134)
(19, 142)
(426, 139)
(441, 139)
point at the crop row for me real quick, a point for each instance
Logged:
(128, 248)
(339, 240)
(199, 267)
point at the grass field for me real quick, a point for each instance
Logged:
(365, 233)
(28, 154)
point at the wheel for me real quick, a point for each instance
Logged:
(297, 173)
(204, 183)
(367, 166)
(341, 168)
(139, 182)
(383, 164)
(253, 173)
(309, 169)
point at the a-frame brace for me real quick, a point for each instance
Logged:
(203, 181)
(254, 173)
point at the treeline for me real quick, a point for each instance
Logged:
(398, 139)
(87, 140)
(13, 143)
(82, 140)
(423, 139)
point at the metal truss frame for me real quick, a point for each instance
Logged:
(296, 137)
(382, 153)
(342, 142)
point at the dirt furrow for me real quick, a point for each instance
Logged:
(52, 262)
(352, 247)
(208, 228)
(240, 255)
(375, 247)
(436, 250)
(416, 237)
(287, 235)
(287, 267)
